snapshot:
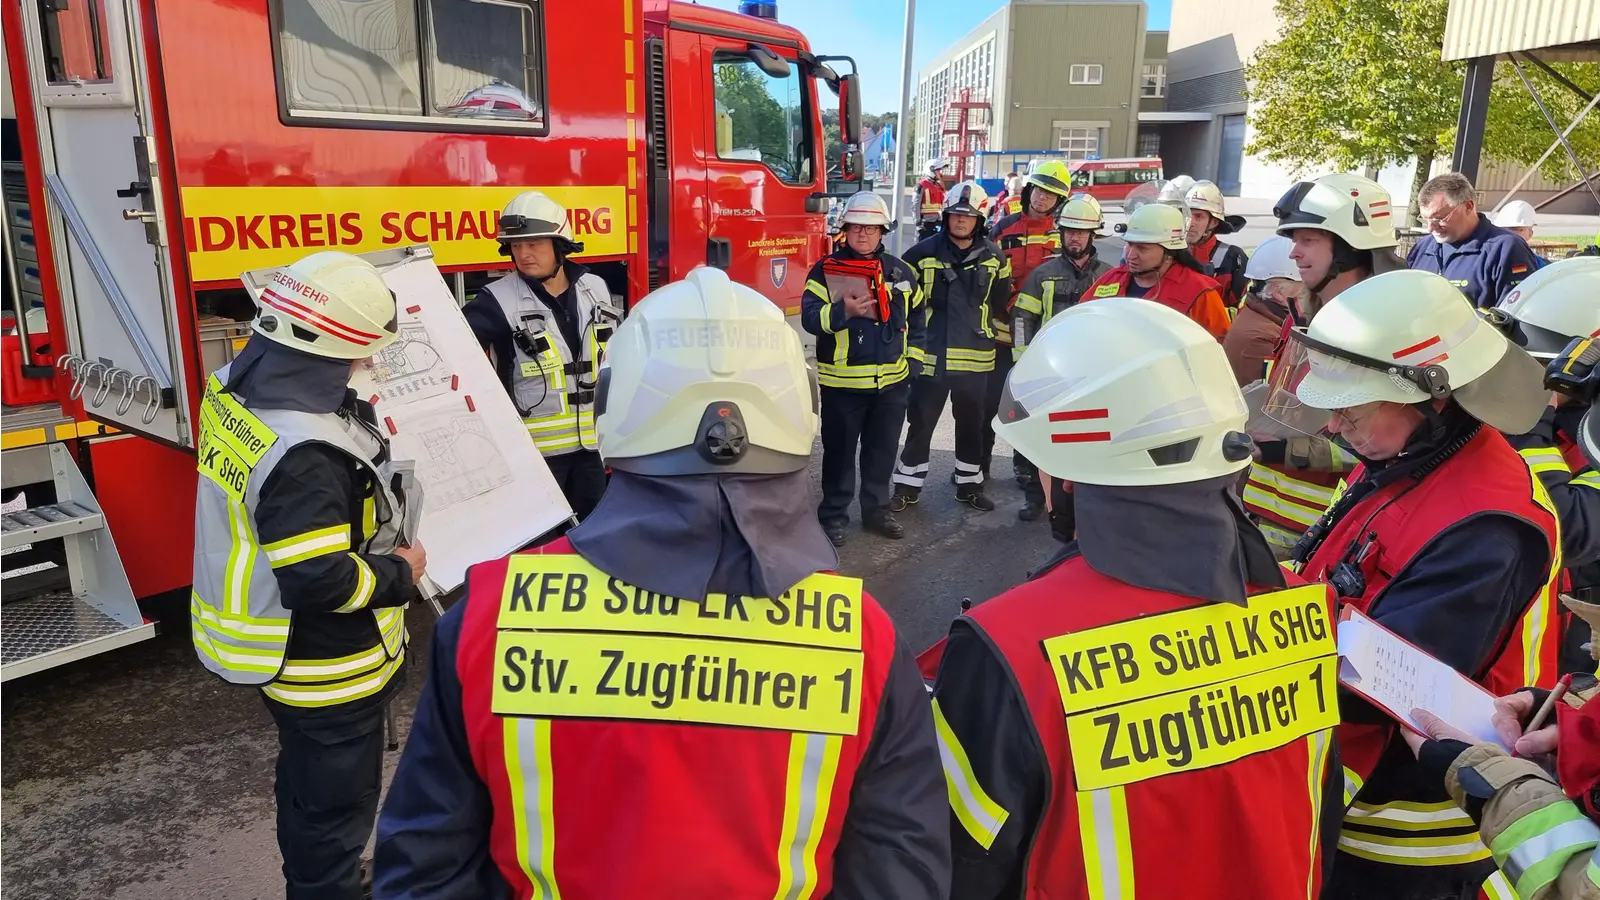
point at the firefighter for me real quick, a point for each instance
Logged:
(1208, 218)
(1443, 536)
(864, 307)
(1554, 315)
(1341, 234)
(1274, 289)
(1104, 800)
(930, 200)
(712, 743)
(1027, 238)
(545, 327)
(301, 574)
(1483, 260)
(1055, 287)
(963, 277)
(1157, 265)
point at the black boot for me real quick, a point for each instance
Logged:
(903, 497)
(973, 496)
(1031, 510)
(884, 523)
(835, 532)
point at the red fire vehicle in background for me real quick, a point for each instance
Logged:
(1111, 180)
(156, 149)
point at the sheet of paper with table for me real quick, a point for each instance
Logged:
(1398, 677)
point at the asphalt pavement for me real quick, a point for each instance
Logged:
(136, 775)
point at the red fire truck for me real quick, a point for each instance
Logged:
(165, 146)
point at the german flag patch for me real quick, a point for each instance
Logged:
(1519, 270)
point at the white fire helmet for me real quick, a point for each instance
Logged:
(1551, 307)
(967, 199)
(1181, 184)
(331, 304)
(1156, 223)
(1403, 337)
(1125, 392)
(866, 208)
(934, 165)
(531, 214)
(1355, 208)
(1516, 214)
(1271, 260)
(1207, 196)
(1081, 213)
(704, 376)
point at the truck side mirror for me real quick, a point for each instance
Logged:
(771, 63)
(852, 167)
(850, 108)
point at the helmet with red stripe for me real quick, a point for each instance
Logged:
(1125, 392)
(329, 304)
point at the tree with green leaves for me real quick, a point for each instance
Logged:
(1358, 83)
(759, 121)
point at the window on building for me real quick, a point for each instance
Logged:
(761, 118)
(1078, 143)
(1085, 73)
(1149, 143)
(364, 59)
(1153, 83)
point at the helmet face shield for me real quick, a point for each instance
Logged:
(1312, 378)
(1278, 399)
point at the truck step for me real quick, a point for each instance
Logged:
(41, 523)
(47, 631)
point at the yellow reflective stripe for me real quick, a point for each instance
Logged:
(1498, 887)
(977, 812)
(241, 558)
(527, 751)
(1294, 512)
(329, 694)
(1536, 619)
(365, 583)
(813, 764)
(1588, 478)
(1107, 846)
(309, 545)
(1030, 304)
(1544, 459)
(1278, 536)
(1316, 769)
(1313, 494)
(242, 627)
(1441, 850)
(392, 627)
(234, 659)
(1409, 816)
(1352, 786)
(323, 671)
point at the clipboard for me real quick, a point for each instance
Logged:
(1396, 676)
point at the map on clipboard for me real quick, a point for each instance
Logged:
(486, 490)
(1397, 677)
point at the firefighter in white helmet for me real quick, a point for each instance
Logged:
(1274, 288)
(1208, 218)
(545, 326)
(1056, 286)
(300, 576)
(1555, 316)
(1444, 536)
(930, 199)
(1519, 218)
(964, 280)
(1157, 265)
(865, 308)
(764, 776)
(1134, 403)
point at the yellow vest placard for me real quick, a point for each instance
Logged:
(1203, 727)
(674, 679)
(232, 440)
(1195, 687)
(565, 593)
(1189, 647)
(574, 641)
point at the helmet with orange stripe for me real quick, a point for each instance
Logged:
(330, 304)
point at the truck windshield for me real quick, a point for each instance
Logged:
(763, 119)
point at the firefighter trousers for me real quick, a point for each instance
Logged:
(1021, 468)
(582, 479)
(329, 776)
(928, 394)
(864, 422)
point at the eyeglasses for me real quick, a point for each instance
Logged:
(1440, 220)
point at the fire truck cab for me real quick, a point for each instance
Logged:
(156, 149)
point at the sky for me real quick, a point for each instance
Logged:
(870, 31)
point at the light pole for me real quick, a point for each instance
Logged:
(902, 126)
